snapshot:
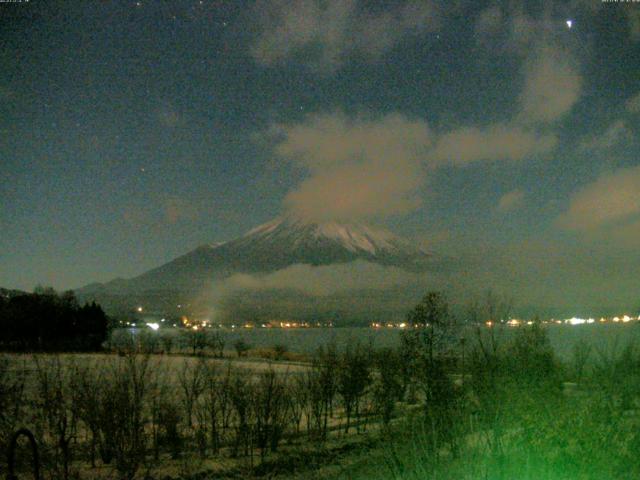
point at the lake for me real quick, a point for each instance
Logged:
(605, 338)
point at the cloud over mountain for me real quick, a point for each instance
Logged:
(324, 280)
(358, 167)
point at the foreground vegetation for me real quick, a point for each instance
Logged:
(439, 406)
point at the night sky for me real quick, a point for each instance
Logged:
(501, 136)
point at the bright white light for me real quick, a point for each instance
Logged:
(139, 309)
(575, 321)
(569, 23)
(153, 326)
(626, 318)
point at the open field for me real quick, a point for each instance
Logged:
(171, 416)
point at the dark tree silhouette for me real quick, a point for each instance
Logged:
(47, 321)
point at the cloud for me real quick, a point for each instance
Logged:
(610, 201)
(552, 85)
(362, 167)
(633, 19)
(502, 29)
(496, 142)
(633, 104)
(551, 78)
(511, 201)
(323, 280)
(324, 34)
(616, 134)
(358, 167)
(489, 22)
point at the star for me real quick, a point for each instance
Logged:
(569, 23)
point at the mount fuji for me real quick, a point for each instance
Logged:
(273, 246)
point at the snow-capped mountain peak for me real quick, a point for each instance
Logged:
(354, 237)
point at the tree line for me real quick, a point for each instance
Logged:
(48, 321)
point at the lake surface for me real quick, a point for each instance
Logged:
(604, 338)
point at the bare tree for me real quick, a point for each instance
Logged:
(216, 343)
(270, 411)
(241, 347)
(315, 407)
(327, 363)
(88, 397)
(212, 404)
(388, 388)
(224, 397)
(167, 342)
(12, 390)
(297, 399)
(123, 419)
(161, 411)
(196, 341)
(241, 393)
(55, 407)
(191, 379)
(354, 377)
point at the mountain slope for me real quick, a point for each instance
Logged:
(270, 247)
